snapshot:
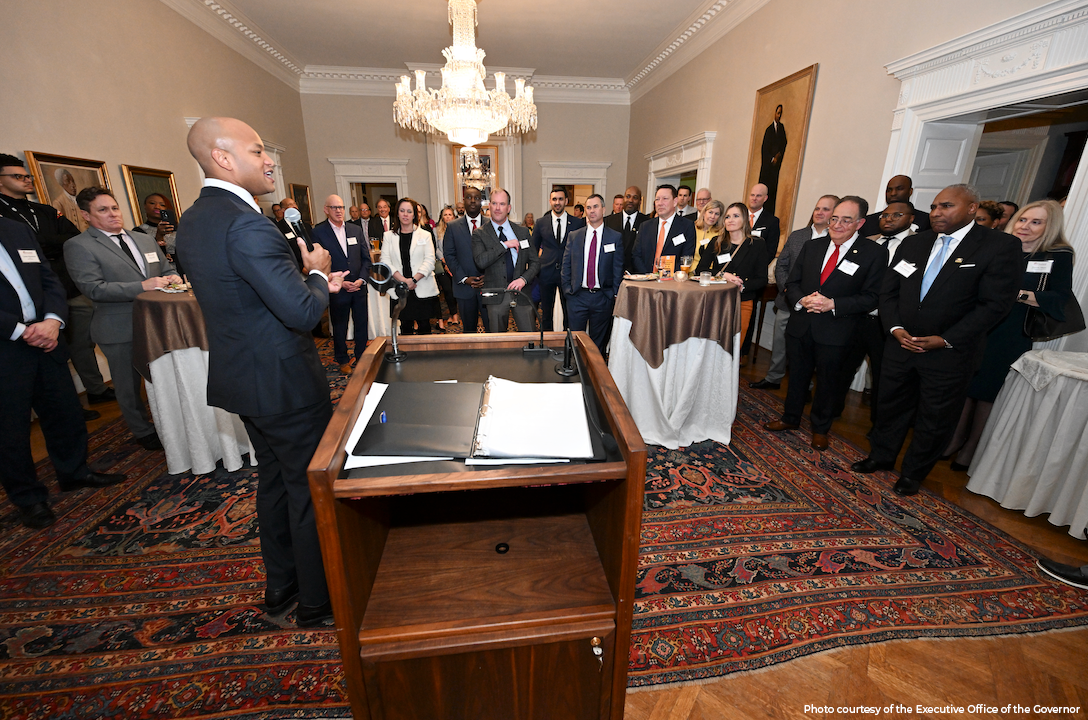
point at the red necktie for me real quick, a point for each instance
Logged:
(473, 226)
(591, 271)
(830, 266)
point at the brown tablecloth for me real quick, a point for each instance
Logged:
(668, 312)
(162, 322)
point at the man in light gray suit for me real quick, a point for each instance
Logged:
(111, 267)
(494, 247)
(816, 228)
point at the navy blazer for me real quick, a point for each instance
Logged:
(609, 260)
(551, 250)
(855, 295)
(646, 244)
(974, 290)
(770, 229)
(258, 309)
(457, 252)
(357, 261)
(41, 282)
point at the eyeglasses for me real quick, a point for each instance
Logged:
(891, 216)
(17, 176)
(836, 220)
(334, 207)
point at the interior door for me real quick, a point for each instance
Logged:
(945, 155)
(998, 176)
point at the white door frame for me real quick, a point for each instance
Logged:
(370, 170)
(571, 173)
(1038, 54)
(681, 157)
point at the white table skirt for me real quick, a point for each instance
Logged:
(194, 434)
(377, 310)
(691, 397)
(1033, 455)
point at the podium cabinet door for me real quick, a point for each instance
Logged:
(546, 681)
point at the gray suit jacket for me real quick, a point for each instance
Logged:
(489, 255)
(105, 274)
(786, 260)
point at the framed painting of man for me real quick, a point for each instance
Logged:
(59, 178)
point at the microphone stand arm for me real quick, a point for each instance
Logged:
(401, 288)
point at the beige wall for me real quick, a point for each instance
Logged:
(850, 128)
(113, 80)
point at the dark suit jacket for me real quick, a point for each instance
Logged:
(259, 311)
(457, 252)
(615, 221)
(292, 238)
(53, 230)
(749, 263)
(974, 290)
(357, 261)
(774, 142)
(872, 222)
(609, 261)
(855, 295)
(375, 228)
(41, 282)
(646, 243)
(551, 255)
(786, 260)
(770, 230)
(490, 255)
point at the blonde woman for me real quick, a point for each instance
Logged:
(441, 270)
(708, 226)
(409, 251)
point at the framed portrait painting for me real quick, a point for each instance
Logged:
(58, 179)
(141, 182)
(301, 195)
(777, 149)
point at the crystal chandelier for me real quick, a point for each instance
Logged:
(472, 172)
(463, 109)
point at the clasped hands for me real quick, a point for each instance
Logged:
(42, 334)
(160, 281)
(817, 303)
(918, 344)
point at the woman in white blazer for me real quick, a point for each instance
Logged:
(409, 252)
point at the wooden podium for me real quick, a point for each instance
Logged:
(435, 618)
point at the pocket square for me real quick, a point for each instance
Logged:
(966, 266)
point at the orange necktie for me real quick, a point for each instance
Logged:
(660, 244)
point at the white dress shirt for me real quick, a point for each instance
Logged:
(9, 270)
(843, 249)
(629, 218)
(341, 236)
(562, 220)
(507, 234)
(236, 189)
(131, 245)
(585, 254)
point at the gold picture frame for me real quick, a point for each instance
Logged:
(301, 195)
(795, 94)
(59, 178)
(141, 182)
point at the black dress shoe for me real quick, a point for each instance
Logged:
(96, 398)
(314, 616)
(150, 442)
(37, 516)
(869, 465)
(278, 600)
(959, 467)
(906, 486)
(89, 415)
(764, 384)
(93, 480)
(1068, 574)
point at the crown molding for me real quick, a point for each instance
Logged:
(580, 90)
(698, 32)
(228, 25)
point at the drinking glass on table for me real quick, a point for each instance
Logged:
(685, 263)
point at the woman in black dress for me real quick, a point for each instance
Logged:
(409, 251)
(737, 257)
(1039, 227)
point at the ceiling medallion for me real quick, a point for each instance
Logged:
(463, 109)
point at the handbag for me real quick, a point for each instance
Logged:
(1041, 327)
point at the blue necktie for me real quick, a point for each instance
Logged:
(935, 267)
(509, 258)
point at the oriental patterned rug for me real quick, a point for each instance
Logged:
(768, 550)
(143, 600)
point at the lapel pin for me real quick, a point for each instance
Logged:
(959, 260)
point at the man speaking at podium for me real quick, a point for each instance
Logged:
(262, 363)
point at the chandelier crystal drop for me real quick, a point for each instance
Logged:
(463, 109)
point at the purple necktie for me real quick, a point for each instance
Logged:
(591, 273)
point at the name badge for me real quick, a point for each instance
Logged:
(610, 248)
(905, 269)
(723, 259)
(353, 241)
(704, 242)
(290, 236)
(848, 267)
(151, 257)
(29, 256)
(1035, 266)
(525, 243)
(757, 233)
(678, 240)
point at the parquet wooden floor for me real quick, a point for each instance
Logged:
(1048, 669)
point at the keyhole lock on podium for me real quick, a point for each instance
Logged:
(598, 651)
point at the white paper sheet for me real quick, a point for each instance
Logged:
(533, 420)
